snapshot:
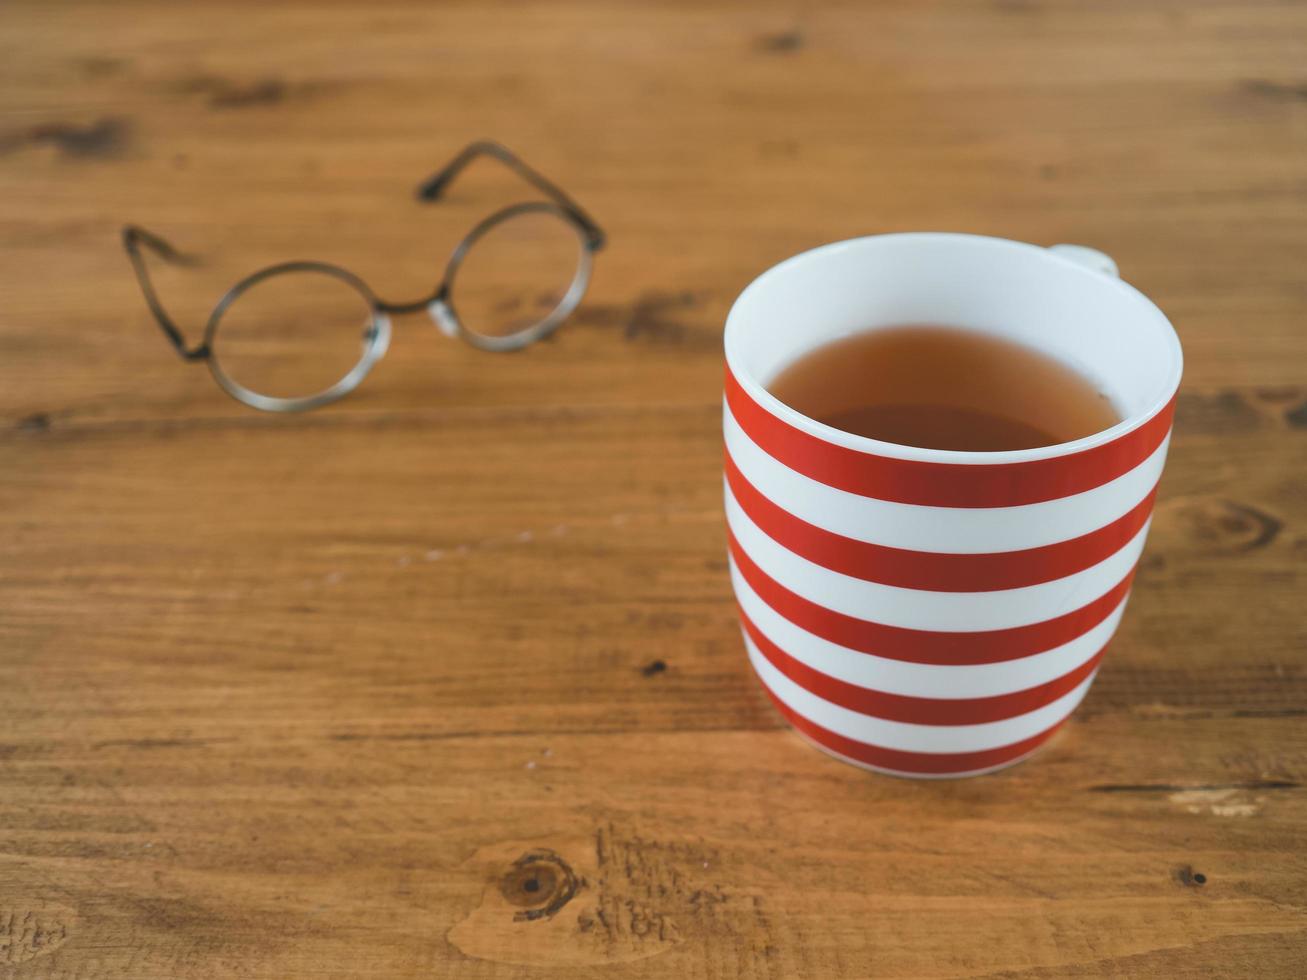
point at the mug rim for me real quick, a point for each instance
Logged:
(756, 391)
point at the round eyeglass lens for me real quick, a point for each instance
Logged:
(293, 334)
(520, 273)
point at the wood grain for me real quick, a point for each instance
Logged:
(444, 680)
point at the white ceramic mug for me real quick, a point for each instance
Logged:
(927, 612)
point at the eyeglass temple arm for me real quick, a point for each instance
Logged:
(133, 238)
(434, 186)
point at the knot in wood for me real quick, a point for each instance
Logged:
(539, 883)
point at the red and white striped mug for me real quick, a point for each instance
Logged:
(926, 612)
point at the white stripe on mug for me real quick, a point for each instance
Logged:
(948, 530)
(907, 737)
(921, 610)
(915, 680)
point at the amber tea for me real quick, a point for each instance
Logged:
(943, 387)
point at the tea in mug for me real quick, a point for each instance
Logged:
(940, 387)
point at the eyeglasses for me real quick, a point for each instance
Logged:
(298, 335)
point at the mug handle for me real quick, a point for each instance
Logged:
(1090, 258)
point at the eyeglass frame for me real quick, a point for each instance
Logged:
(439, 305)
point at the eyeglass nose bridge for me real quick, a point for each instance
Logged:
(377, 334)
(443, 317)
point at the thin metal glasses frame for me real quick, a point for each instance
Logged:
(376, 336)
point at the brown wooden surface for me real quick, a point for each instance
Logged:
(321, 696)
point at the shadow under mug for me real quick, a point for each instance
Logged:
(927, 612)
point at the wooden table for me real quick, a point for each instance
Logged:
(445, 680)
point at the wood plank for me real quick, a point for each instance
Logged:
(248, 554)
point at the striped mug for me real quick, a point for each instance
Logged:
(925, 612)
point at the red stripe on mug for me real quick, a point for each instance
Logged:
(934, 571)
(925, 646)
(908, 481)
(921, 763)
(917, 711)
